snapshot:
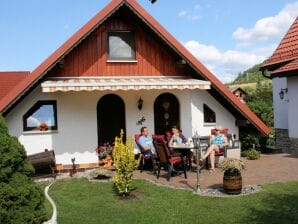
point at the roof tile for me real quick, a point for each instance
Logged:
(287, 49)
(8, 80)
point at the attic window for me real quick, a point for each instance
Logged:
(121, 45)
(209, 115)
(41, 114)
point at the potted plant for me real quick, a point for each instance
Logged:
(43, 126)
(232, 180)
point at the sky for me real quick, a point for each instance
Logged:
(227, 36)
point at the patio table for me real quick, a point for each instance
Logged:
(185, 150)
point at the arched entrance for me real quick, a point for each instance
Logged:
(166, 113)
(110, 118)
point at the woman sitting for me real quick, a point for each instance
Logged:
(218, 142)
(177, 137)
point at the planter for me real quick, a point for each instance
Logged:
(232, 184)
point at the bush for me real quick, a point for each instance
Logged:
(125, 163)
(21, 200)
(250, 140)
(253, 154)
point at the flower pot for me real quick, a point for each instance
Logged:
(232, 184)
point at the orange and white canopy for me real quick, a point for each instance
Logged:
(122, 83)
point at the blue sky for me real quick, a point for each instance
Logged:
(226, 36)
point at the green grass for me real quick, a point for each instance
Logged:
(80, 201)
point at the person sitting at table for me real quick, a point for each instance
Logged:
(177, 137)
(146, 142)
(217, 144)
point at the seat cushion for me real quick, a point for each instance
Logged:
(175, 160)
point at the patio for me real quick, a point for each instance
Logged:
(270, 168)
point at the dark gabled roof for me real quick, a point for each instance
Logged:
(233, 90)
(8, 100)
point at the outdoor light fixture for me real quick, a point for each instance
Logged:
(282, 93)
(140, 103)
(196, 144)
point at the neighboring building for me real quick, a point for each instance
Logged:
(283, 65)
(239, 93)
(120, 70)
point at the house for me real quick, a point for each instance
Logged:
(239, 93)
(283, 68)
(121, 70)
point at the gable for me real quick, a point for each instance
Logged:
(53, 64)
(90, 57)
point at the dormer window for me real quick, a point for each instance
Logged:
(121, 46)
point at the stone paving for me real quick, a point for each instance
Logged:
(270, 168)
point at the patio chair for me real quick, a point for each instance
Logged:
(145, 158)
(167, 160)
(233, 150)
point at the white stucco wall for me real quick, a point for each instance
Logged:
(280, 106)
(77, 120)
(293, 106)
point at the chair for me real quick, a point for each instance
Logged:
(230, 151)
(145, 158)
(167, 160)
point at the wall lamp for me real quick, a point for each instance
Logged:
(282, 93)
(140, 103)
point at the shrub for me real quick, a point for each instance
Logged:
(125, 164)
(21, 200)
(244, 153)
(250, 140)
(253, 154)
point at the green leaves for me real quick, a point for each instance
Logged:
(21, 200)
(125, 163)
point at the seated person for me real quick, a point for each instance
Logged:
(177, 137)
(146, 142)
(218, 142)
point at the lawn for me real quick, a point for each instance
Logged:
(80, 201)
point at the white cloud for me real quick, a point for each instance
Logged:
(182, 13)
(226, 65)
(268, 27)
(191, 14)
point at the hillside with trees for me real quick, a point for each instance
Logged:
(258, 99)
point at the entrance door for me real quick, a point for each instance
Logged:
(166, 113)
(110, 118)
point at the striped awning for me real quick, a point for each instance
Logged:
(122, 83)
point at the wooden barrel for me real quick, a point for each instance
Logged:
(232, 184)
(43, 161)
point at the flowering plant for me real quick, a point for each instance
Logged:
(104, 150)
(232, 166)
(43, 126)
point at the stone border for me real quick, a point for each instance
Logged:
(211, 192)
(53, 219)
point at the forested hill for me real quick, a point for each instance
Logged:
(251, 75)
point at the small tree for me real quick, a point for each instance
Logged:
(21, 200)
(125, 163)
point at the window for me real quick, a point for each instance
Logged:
(43, 114)
(209, 115)
(121, 45)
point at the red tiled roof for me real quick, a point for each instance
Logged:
(287, 49)
(41, 70)
(8, 80)
(289, 67)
